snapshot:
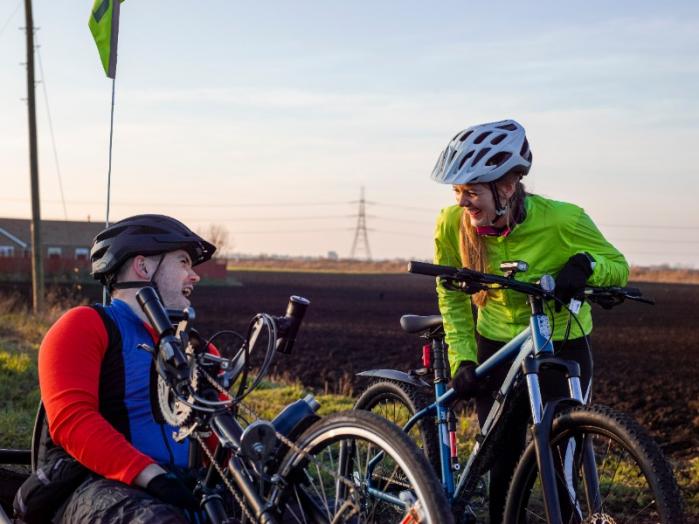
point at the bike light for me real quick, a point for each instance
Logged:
(516, 266)
(426, 360)
(547, 283)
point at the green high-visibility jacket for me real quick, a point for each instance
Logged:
(550, 234)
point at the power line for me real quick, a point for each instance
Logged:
(321, 217)
(409, 208)
(9, 19)
(650, 226)
(190, 204)
(291, 231)
(53, 138)
(661, 240)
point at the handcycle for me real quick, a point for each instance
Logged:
(298, 467)
(584, 463)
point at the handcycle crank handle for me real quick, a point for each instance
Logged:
(169, 345)
(157, 316)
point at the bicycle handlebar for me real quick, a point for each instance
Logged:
(471, 276)
(605, 296)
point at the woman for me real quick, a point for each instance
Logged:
(496, 220)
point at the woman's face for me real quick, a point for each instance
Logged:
(478, 201)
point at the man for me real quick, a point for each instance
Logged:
(97, 384)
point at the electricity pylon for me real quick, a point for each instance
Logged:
(361, 237)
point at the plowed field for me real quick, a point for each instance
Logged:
(646, 357)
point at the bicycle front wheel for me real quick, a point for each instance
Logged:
(398, 402)
(354, 466)
(629, 481)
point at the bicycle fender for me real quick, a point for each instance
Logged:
(394, 374)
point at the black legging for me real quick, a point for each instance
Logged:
(553, 384)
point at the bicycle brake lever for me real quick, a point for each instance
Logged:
(458, 285)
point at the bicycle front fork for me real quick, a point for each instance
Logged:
(556, 477)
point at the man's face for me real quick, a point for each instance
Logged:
(176, 279)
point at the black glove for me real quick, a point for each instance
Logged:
(571, 280)
(465, 382)
(171, 490)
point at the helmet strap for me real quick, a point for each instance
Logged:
(135, 284)
(500, 210)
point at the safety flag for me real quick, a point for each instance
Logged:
(104, 26)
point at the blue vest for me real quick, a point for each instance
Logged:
(128, 387)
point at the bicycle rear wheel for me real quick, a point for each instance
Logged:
(636, 484)
(354, 466)
(398, 402)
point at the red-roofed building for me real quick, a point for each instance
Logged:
(66, 249)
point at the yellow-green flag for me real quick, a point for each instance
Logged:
(104, 26)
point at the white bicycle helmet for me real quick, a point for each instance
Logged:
(484, 153)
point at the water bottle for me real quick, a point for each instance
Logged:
(297, 416)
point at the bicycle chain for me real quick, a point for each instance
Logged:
(222, 474)
(600, 518)
(282, 438)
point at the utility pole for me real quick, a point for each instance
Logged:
(37, 265)
(360, 233)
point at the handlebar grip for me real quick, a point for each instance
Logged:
(150, 303)
(295, 312)
(423, 268)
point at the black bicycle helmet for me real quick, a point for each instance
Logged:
(143, 235)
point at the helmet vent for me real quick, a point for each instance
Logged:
(480, 155)
(498, 159)
(525, 149)
(148, 230)
(466, 157)
(495, 141)
(508, 127)
(451, 157)
(109, 233)
(481, 137)
(99, 253)
(465, 136)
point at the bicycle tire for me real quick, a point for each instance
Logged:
(397, 401)
(403, 472)
(638, 459)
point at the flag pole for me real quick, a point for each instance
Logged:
(105, 293)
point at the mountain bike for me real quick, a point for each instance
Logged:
(583, 464)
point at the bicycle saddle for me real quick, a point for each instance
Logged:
(417, 323)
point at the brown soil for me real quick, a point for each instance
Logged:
(645, 356)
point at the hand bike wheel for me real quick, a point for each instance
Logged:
(634, 481)
(354, 466)
(398, 402)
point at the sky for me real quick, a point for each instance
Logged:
(269, 118)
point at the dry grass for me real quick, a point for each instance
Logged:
(322, 265)
(318, 265)
(664, 274)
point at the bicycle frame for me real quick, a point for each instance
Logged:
(530, 350)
